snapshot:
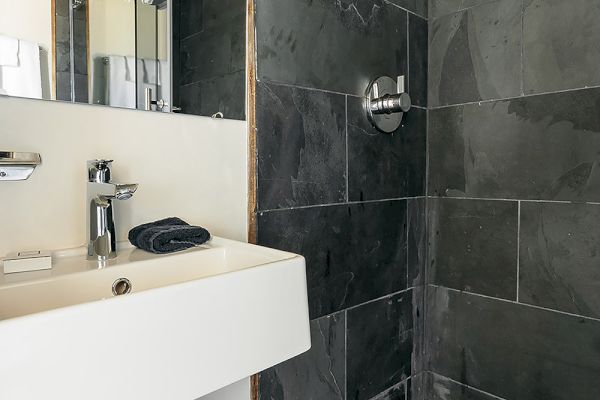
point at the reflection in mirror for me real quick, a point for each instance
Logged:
(209, 42)
(161, 55)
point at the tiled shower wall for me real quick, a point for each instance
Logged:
(513, 305)
(209, 55)
(349, 199)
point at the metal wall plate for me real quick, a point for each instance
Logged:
(17, 166)
(386, 102)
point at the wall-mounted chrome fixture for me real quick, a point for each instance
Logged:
(386, 102)
(77, 4)
(148, 102)
(17, 166)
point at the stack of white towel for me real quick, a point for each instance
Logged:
(20, 73)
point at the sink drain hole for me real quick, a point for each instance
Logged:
(121, 286)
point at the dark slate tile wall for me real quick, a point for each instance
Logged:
(512, 311)
(210, 57)
(350, 199)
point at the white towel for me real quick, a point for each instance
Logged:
(24, 80)
(9, 51)
(121, 81)
(151, 73)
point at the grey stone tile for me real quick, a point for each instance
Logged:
(560, 45)
(417, 6)
(540, 147)
(512, 350)
(473, 246)
(354, 253)
(301, 139)
(317, 374)
(333, 45)
(442, 388)
(438, 8)
(417, 59)
(560, 257)
(476, 54)
(417, 241)
(214, 52)
(379, 345)
(225, 94)
(384, 166)
(190, 17)
(396, 392)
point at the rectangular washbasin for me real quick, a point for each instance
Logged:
(192, 323)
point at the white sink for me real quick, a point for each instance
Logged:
(194, 322)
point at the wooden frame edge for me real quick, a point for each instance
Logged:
(251, 120)
(252, 151)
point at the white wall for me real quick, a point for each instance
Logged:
(187, 166)
(112, 28)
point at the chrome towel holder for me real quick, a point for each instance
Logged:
(16, 166)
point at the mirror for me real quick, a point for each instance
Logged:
(184, 56)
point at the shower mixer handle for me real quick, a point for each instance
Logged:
(386, 102)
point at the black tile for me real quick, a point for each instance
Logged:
(417, 241)
(417, 49)
(419, 354)
(383, 166)
(476, 54)
(416, 387)
(333, 45)
(224, 94)
(511, 350)
(442, 388)
(416, 6)
(473, 246)
(396, 392)
(539, 147)
(438, 8)
(354, 253)
(559, 257)
(317, 374)
(301, 139)
(214, 52)
(379, 345)
(190, 17)
(560, 45)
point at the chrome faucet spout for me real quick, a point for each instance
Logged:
(100, 217)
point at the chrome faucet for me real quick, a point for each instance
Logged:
(101, 192)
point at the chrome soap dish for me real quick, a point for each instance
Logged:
(17, 166)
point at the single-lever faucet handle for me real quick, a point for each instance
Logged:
(99, 170)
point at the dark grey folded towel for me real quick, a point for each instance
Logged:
(167, 236)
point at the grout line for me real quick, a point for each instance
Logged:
(522, 47)
(290, 85)
(515, 303)
(365, 303)
(345, 354)
(521, 200)
(384, 393)
(525, 96)
(339, 204)
(518, 248)
(270, 82)
(407, 78)
(347, 162)
(405, 9)
(407, 244)
(432, 18)
(467, 386)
